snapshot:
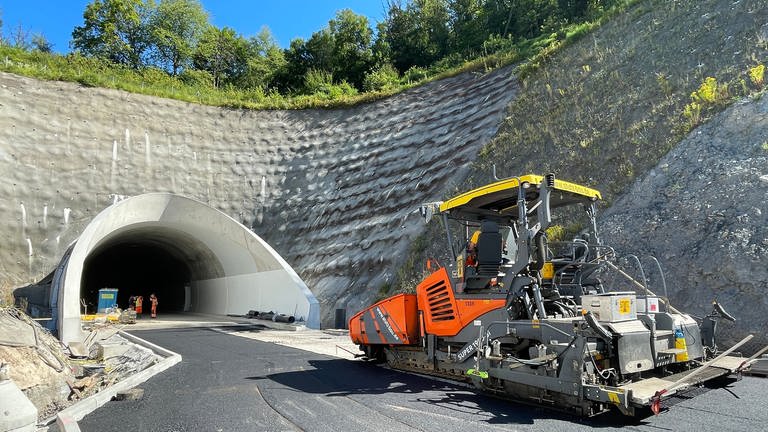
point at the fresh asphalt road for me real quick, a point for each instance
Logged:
(230, 383)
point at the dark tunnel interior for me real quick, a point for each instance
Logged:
(136, 269)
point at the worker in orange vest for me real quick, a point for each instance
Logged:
(153, 300)
(139, 301)
(471, 260)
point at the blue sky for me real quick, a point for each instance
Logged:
(287, 19)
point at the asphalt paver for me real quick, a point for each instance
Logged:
(231, 383)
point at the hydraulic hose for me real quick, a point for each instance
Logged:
(601, 331)
(541, 252)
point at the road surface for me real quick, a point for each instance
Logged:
(230, 383)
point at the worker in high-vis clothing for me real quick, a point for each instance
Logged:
(471, 260)
(153, 301)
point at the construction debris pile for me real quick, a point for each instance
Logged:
(52, 376)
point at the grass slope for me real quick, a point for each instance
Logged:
(604, 110)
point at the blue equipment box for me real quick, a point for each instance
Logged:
(107, 299)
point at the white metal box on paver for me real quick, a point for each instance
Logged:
(648, 304)
(611, 307)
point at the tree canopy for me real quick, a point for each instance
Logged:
(116, 30)
(177, 37)
(175, 29)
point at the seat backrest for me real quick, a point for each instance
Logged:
(489, 249)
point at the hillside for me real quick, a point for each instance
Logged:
(702, 211)
(608, 110)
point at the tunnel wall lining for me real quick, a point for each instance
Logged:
(272, 294)
(255, 276)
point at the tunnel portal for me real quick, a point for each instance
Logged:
(138, 267)
(192, 256)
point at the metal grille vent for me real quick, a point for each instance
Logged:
(440, 304)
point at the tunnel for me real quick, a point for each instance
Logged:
(193, 257)
(144, 261)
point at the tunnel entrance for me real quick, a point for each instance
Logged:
(146, 260)
(136, 269)
(193, 257)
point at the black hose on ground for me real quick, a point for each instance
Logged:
(283, 318)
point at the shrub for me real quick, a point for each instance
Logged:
(555, 233)
(498, 44)
(757, 75)
(708, 95)
(384, 78)
(415, 74)
(195, 78)
(344, 88)
(692, 113)
(318, 81)
(155, 75)
(664, 84)
(710, 92)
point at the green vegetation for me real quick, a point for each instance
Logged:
(556, 233)
(709, 94)
(605, 110)
(711, 97)
(168, 48)
(757, 75)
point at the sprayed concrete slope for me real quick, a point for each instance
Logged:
(333, 191)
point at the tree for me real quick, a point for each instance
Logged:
(223, 53)
(290, 78)
(498, 15)
(319, 49)
(531, 16)
(434, 19)
(40, 43)
(352, 54)
(20, 38)
(382, 52)
(115, 30)
(574, 10)
(343, 49)
(175, 28)
(265, 61)
(468, 26)
(416, 34)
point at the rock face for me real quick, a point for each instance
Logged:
(333, 191)
(703, 212)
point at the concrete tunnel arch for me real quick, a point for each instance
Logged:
(228, 268)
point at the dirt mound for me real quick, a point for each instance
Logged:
(36, 361)
(53, 377)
